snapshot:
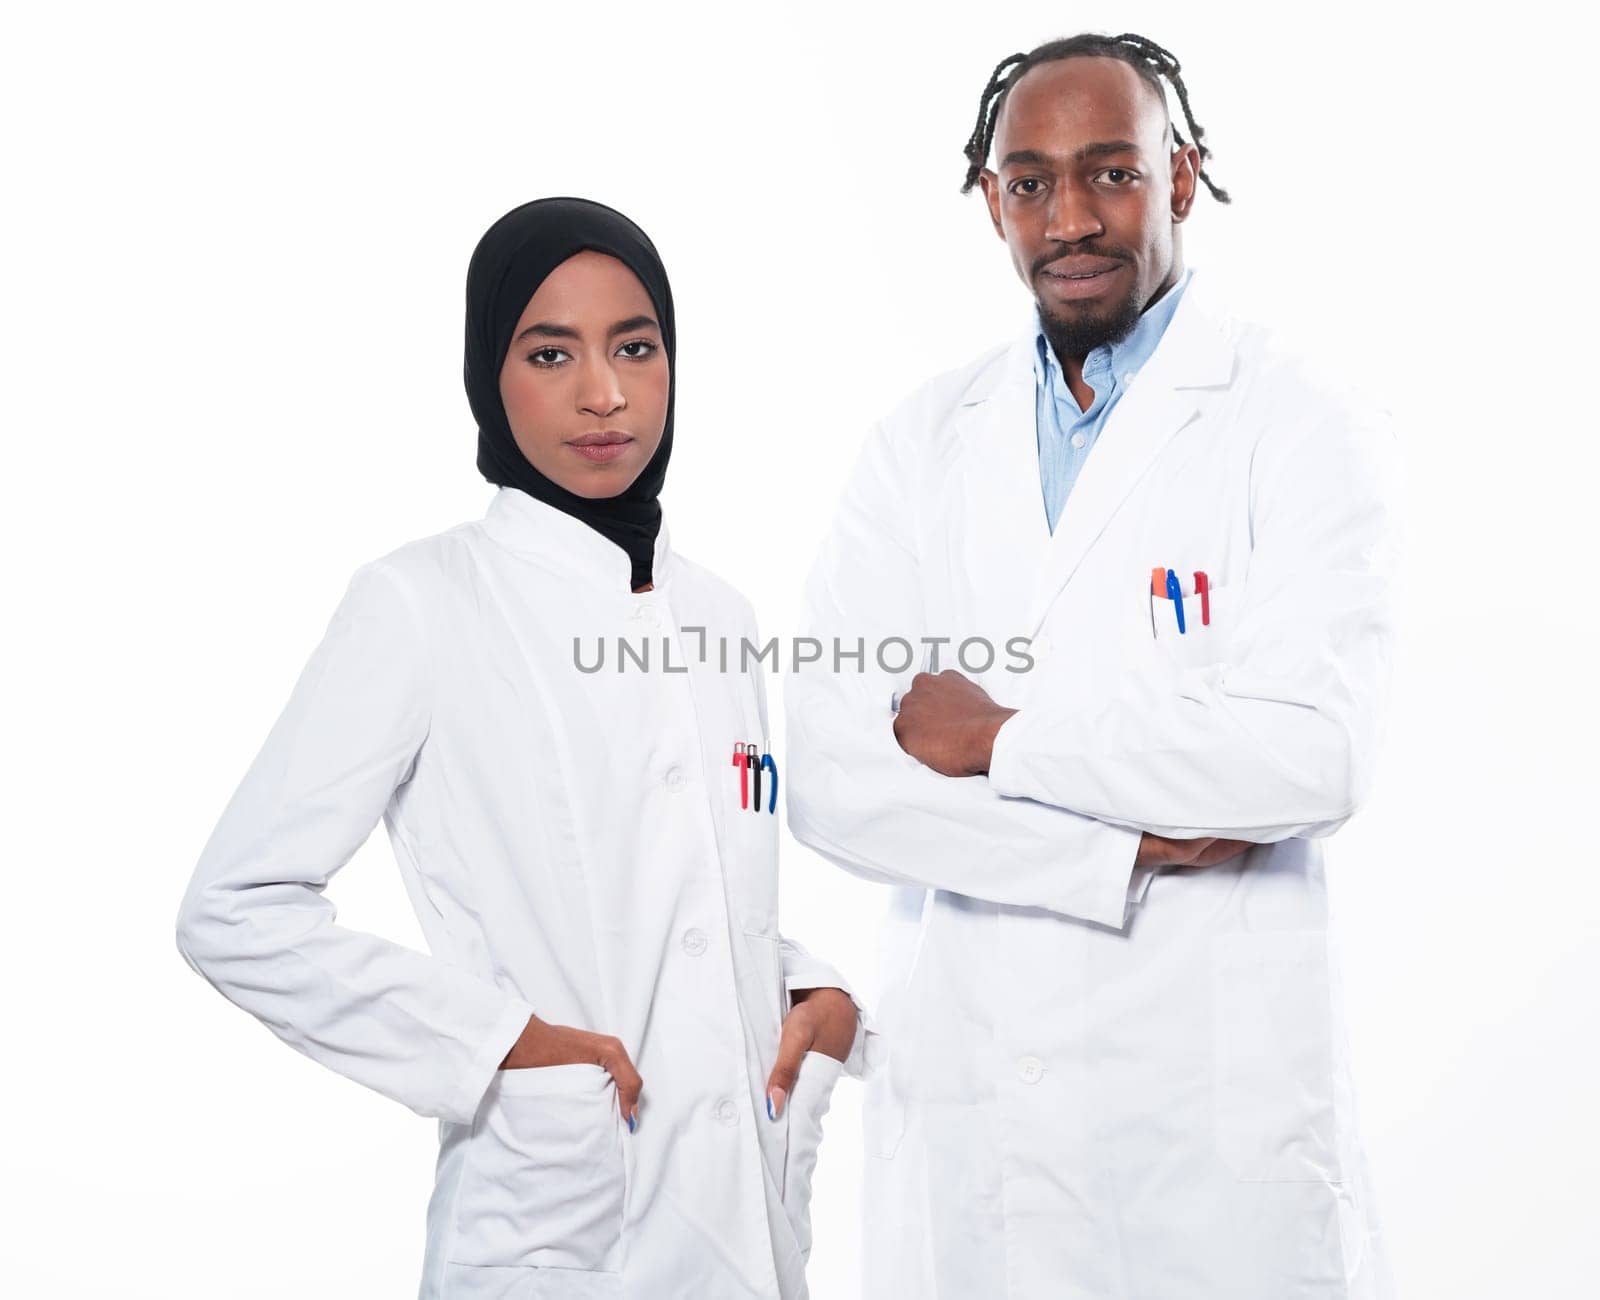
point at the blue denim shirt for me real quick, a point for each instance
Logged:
(1067, 435)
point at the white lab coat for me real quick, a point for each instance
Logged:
(573, 845)
(1101, 1085)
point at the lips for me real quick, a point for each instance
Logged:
(1079, 279)
(603, 447)
(1081, 268)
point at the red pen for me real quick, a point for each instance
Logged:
(739, 762)
(1202, 585)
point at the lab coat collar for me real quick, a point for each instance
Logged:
(531, 527)
(1195, 353)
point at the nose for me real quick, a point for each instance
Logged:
(599, 392)
(1071, 216)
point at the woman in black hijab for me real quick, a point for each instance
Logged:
(511, 261)
(629, 1061)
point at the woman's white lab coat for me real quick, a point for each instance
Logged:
(574, 846)
(1101, 1085)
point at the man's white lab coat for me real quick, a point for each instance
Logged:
(1104, 1084)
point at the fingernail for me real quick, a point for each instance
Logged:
(773, 1111)
(630, 1123)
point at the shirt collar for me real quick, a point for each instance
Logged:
(1126, 354)
(531, 527)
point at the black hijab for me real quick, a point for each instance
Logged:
(508, 265)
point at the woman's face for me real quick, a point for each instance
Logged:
(585, 380)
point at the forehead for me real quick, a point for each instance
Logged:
(590, 284)
(1058, 106)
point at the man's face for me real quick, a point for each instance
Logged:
(1086, 186)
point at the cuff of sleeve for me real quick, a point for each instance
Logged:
(1005, 758)
(866, 1052)
(1100, 881)
(497, 1041)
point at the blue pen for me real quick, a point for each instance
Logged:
(1175, 595)
(772, 796)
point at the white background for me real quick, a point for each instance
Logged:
(234, 256)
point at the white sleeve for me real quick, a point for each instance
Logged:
(860, 800)
(803, 971)
(1279, 738)
(254, 920)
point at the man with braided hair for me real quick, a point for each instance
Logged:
(1117, 1066)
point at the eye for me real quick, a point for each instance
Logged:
(549, 356)
(1016, 186)
(1119, 171)
(646, 344)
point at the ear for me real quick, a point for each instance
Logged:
(991, 196)
(1185, 181)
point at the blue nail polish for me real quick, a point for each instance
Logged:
(770, 1115)
(630, 1123)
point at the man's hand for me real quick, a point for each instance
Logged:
(545, 1044)
(1157, 851)
(822, 1020)
(948, 722)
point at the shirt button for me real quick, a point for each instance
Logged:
(695, 941)
(675, 778)
(1078, 440)
(727, 1112)
(1127, 376)
(1030, 1069)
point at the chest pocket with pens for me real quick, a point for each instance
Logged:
(749, 816)
(1188, 614)
(757, 778)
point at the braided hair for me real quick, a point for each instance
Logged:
(1144, 56)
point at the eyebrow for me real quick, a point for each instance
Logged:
(1099, 149)
(551, 330)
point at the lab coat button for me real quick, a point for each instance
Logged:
(727, 1112)
(695, 941)
(675, 778)
(1030, 1069)
(648, 615)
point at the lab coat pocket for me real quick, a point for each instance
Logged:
(1205, 626)
(753, 861)
(809, 1102)
(883, 1114)
(544, 1179)
(1272, 1087)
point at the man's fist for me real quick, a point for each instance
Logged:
(948, 722)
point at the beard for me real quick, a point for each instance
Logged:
(1081, 333)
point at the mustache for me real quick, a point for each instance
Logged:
(1068, 250)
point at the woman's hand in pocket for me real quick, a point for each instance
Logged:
(822, 1020)
(545, 1044)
